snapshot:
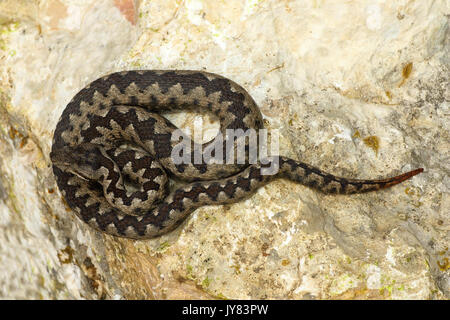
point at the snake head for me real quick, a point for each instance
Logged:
(83, 160)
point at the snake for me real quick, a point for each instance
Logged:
(112, 153)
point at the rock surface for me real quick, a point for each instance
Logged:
(360, 89)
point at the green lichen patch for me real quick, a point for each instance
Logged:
(372, 142)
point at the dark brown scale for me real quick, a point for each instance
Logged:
(213, 191)
(77, 165)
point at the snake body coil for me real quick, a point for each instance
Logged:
(111, 152)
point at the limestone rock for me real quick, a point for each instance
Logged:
(359, 89)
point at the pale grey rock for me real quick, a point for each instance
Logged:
(360, 89)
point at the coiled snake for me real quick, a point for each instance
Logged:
(111, 152)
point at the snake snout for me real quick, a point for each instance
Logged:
(82, 160)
